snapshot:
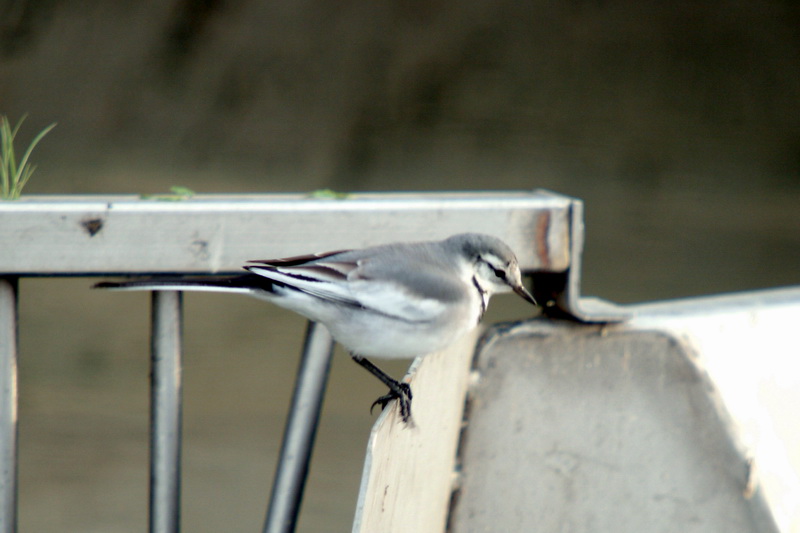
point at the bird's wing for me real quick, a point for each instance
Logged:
(321, 275)
(421, 293)
(395, 299)
(352, 278)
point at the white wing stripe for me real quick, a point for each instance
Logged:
(383, 297)
(322, 289)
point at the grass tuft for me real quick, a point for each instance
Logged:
(13, 175)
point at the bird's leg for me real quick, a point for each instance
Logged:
(397, 389)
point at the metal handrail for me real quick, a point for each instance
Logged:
(8, 404)
(300, 432)
(165, 412)
(107, 236)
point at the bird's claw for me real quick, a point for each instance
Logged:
(402, 393)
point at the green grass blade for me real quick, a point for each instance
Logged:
(9, 149)
(24, 161)
(13, 176)
(25, 175)
(6, 150)
(16, 128)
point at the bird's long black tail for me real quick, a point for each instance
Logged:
(243, 283)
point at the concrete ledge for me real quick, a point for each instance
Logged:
(674, 421)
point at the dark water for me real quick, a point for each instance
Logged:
(677, 125)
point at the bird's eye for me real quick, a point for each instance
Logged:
(499, 272)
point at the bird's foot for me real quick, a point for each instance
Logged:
(397, 391)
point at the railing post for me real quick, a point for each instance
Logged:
(301, 429)
(165, 413)
(8, 404)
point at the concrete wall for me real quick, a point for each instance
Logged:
(682, 419)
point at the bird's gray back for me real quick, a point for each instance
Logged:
(420, 268)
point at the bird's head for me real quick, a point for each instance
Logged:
(495, 266)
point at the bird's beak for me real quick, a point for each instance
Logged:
(522, 291)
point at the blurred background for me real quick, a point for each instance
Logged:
(677, 123)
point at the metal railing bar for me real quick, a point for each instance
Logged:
(165, 412)
(8, 404)
(106, 235)
(300, 431)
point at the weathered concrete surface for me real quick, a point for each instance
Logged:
(625, 428)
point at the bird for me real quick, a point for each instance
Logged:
(399, 300)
